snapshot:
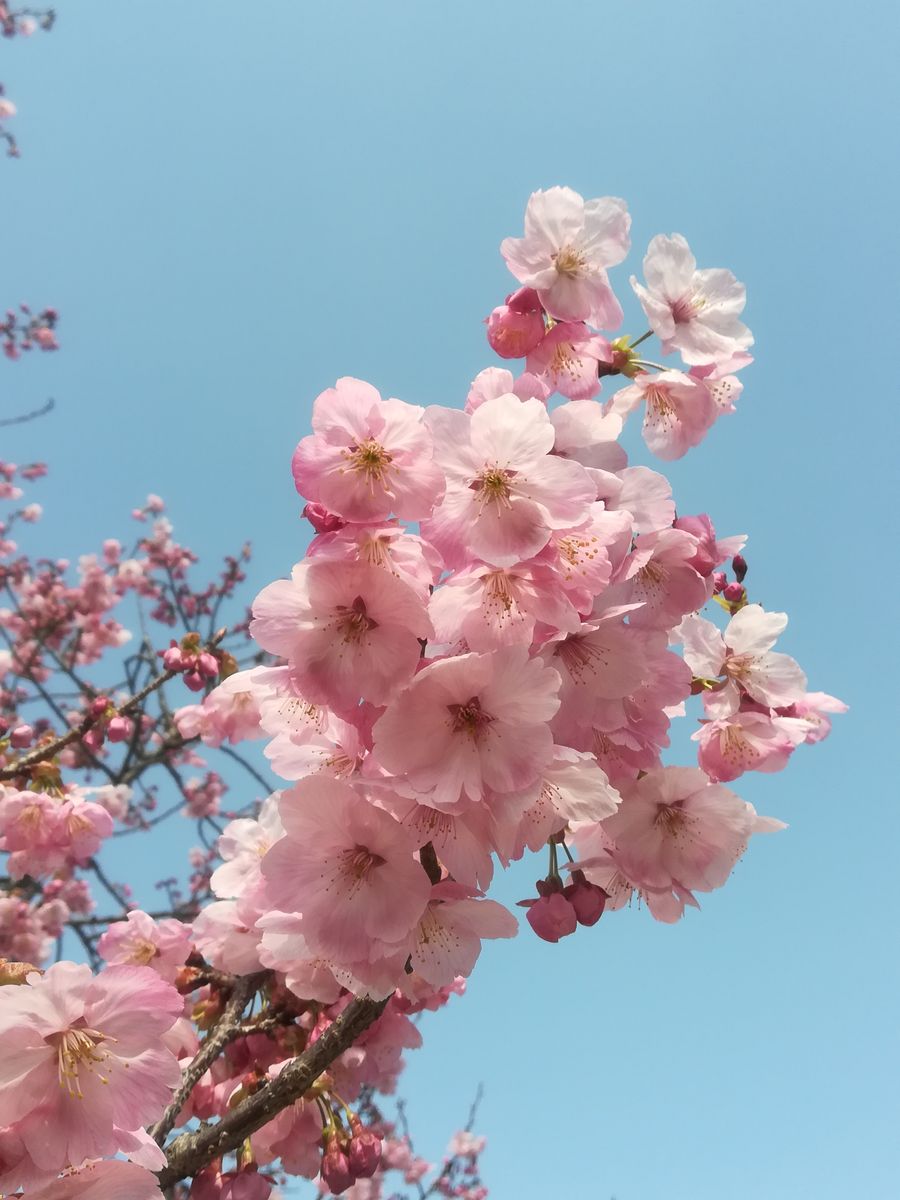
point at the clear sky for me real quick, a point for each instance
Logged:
(232, 204)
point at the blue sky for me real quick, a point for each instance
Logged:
(232, 205)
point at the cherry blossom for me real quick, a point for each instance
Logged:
(694, 312)
(568, 244)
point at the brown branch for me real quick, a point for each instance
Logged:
(191, 1152)
(42, 753)
(226, 1030)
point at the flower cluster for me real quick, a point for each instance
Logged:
(479, 656)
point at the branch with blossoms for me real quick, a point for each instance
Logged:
(479, 657)
(18, 22)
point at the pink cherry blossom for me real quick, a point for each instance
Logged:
(694, 312)
(497, 381)
(348, 867)
(743, 655)
(746, 741)
(346, 629)
(142, 941)
(516, 327)
(471, 722)
(567, 359)
(568, 244)
(505, 490)
(447, 940)
(110, 1180)
(679, 410)
(659, 577)
(589, 435)
(80, 1056)
(675, 827)
(811, 709)
(368, 457)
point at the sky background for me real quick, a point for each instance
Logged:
(233, 204)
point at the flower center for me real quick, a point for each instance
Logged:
(469, 718)
(143, 952)
(737, 666)
(671, 820)
(582, 657)
(569, 262)
(735, 746)
(684, 309)
(354, 622)
(492, 487)
(659, 403)
(77, 1048)
(370, 459)
(359, 861)
(577, 550)
(651, 576)
(564, 361)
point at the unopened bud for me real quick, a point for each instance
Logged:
(364, 1153)
(587, 899)
(733, 593)
(336, 1170)
(739, 566)
(173, 659)
(720, 581)
(21, 737)
(194, 681)
(120, 729)
(321, 519)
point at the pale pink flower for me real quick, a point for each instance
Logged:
(81, 1059)
(679, 410)
(337, 751)
(589, 435)
(231, 710)
(497, 381)
(388, 546)
(346, 629)
(744, 656)
(694, 312)
(243, 844)
(659, 577)
(491, 607)
(506, 492)
(471, 722)
(348, 867)
(746, 741)
(643, 493)
(711, 550)
(225, 933)
(675, 827)
(572, 790)
(811, 709)
(368, 457)
(7, 108)
(447, 939)
(142, 941)
(568, 244)
(110, 1180)
(567, 358)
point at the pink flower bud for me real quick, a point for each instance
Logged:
(336, 1170)
(739, 566)
(733, 593)
(321, 519)
(246, 1185)
(552, 917)
(587, 899)
(523, 300)
(98, 706)
(364, 1153)
(21, 737)
(514, 334)
(208, 665)
(173, 659)
(194, 681)
(720, 582)
(120, 729)
(93, 739)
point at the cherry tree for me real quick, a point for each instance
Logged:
(478, 658)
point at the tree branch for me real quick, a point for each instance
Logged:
(190, 1152)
